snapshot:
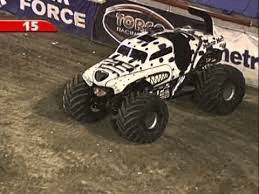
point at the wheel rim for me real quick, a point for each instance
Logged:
(151, 120)
(229, 91)
(94, 108)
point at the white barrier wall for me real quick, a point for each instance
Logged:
(241, 52)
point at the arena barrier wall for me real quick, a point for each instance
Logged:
(241, 52)
(115, 20)
(243, 7)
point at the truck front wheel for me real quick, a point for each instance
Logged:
(142, 118)
(77, 100)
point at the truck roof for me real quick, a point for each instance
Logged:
(148, 43)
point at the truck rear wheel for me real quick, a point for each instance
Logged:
(142, 118)
(77, 100)
(222, 89)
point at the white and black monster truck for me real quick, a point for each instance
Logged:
(134, 81)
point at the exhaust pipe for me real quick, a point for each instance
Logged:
(204, 15)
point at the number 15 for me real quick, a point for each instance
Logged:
(31, 25)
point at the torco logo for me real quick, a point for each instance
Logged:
(124, 20)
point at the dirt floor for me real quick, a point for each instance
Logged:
(44, 150)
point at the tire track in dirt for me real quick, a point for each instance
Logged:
(214, 141)
(48, 59)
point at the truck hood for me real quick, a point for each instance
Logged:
(107, 70)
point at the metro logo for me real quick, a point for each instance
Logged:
(238, 58)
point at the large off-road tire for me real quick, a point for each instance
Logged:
(221, 90)
(142, 118)
(77, 100)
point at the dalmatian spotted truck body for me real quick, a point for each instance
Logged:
(152, 57)
(132, 84)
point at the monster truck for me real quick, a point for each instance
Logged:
(133, 83)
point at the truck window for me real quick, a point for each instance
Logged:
(160, 53)
(138, 55)
(124, 50)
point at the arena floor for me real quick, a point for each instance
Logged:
(44, 150)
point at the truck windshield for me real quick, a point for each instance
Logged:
(138, 55)
(124, 50)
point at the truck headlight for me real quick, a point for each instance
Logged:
(100, 75)
(101, 91)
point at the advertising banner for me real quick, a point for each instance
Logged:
(109, 23)
(72, 16)
(118, 19)
(241, 52)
